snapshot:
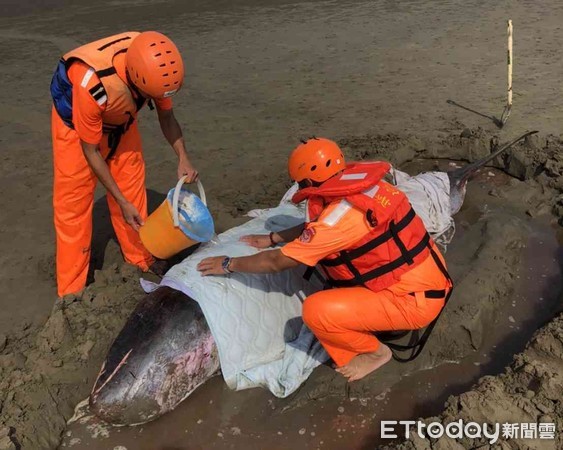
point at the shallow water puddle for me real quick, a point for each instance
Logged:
(216, 418)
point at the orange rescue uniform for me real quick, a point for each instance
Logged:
(344, 319)
(75, 182)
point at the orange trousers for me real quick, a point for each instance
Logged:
(73, 202)
(344, 319)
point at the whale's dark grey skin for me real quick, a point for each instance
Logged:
(163, 353)
(459, 177)
(166, 350)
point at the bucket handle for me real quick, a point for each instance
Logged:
(176, 198)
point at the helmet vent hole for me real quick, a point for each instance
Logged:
(313, 168)
(158, 54)
(168, 52)
(328, 163)
(175, 71)
(172, 62)
(162, 42)
(165, 74)
(162, 65)
(144, 81)
(167, 85)
(153, 44)
(175, 82)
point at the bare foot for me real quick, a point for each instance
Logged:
(366, 363)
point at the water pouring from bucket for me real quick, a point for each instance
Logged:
(181, 221)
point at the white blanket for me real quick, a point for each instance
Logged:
(256, 319)
(429, 194)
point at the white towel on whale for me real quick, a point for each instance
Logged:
(256, 319)
(429, 194)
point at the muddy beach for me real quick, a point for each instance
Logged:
(376, 77)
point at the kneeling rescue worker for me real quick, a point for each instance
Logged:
(98, 90)
(383, 268)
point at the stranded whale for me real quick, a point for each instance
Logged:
(166, 349)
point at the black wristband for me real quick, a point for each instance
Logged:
(272, 242)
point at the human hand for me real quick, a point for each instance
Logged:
(131, 215)
(257, 240)
(211, 266)
(185, 168)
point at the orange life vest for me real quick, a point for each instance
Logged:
(397, 242)
(121, 107)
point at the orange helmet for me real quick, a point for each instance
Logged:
(317, 159)
(155, 65)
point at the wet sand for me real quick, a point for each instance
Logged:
(260, 74)
(215, 417)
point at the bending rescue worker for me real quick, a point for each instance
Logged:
(98, 90)
(385, 271)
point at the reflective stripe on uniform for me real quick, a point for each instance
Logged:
(102, 100)
(353, 176)
(337, 213)
(343, 207)
(99, 94)
(87, 77)
(372, 191)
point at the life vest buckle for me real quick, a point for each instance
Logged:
(370, 218)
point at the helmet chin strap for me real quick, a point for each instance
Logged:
(305, 183)
(140, 100)
(132, 85)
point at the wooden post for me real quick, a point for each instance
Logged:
(509, 61)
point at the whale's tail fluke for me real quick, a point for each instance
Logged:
(459, 177)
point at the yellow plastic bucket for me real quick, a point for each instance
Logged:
(164, 234)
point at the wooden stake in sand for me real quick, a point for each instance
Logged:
(508, 106)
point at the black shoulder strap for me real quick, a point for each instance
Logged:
(110, 70)
(376, 242)
(106, 72)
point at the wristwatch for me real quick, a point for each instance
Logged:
(272, 242)
(226, 264)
